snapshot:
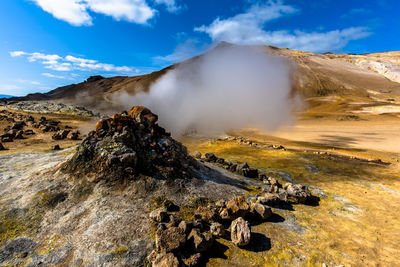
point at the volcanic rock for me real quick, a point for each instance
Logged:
(217, 229)
(237, 207)
(200, 241)
(263, 211)
(240, 232)
(165, 260)
(159, 215)
(170, 240)
(297, 193)
(131, 142)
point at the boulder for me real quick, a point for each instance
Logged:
(165, 260)
(61, 135)
(237, 207)
(197, 155)
(2, 147)
(269, 199)
(217, 229)
(210, 157)
(159, 215)
(186, 226)
(206, 214)
(19, 125)
(245, 170)
(297, 193)
(199, 241)
(240, 232)
(261, 210)
(170, 240)
(74, 135)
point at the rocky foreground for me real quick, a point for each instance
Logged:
(131, 195)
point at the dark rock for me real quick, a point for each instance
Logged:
(165, 260)
(264, 212)
(19, 135)
(29, 132)
(210, 157)
(56, 147)
(240, 232)
(2, 147)
(61, 135)
(186, 226)
(237, 207)
(217, 229)
(159, 215)
(297, 193)
(170, 240)
(199, 241)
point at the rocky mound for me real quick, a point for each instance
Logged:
(129, 144)
(50, 108)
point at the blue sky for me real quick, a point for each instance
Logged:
(49, 43)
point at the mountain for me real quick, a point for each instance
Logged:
(316, 76)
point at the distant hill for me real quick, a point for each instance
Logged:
(6, 96)
(317, 75)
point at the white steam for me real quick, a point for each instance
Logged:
(227, 88)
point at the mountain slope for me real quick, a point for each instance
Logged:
(316, 75)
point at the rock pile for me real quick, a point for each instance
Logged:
(186, 242)
(128, 144)
(273, 192)
(50, 107)
(242, 169)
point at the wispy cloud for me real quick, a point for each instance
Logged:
(50, 75)
(76, 12)
(171, 5)
(28, 82)
(249, 28)
(69, 63)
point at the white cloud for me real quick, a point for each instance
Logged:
(69, 63)
(50, 75)
(17, 53)
(170, 4)
(248, 28)
(28, 82)
(76, 12)
(71, 11)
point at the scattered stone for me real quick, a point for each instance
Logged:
(297, 193)
(197, 155)
(237, 207)
(240, 232)
(217, 229)
(29, 132)
(186, 226)
(200, 241)
(165, 260)
(263, 211)
(170, 240)
(61, 135)
(210, 157)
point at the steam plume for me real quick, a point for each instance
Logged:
(229, 87)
